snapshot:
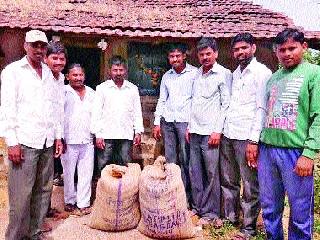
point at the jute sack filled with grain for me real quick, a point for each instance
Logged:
(116, 207)
(163, 203)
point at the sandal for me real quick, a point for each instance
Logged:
(69, 207)
(82, 211)
(217, 223)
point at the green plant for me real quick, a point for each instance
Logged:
(317, 224)
(312, 56)
(221, 232)
(261, 235)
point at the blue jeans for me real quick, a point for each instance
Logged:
(177, 149)
(276, 177)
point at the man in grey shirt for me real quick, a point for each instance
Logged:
(210, 101)
(173, 110)
(239, 145)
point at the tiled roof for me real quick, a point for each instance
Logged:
(164, 18)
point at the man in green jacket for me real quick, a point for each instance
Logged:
(290, 140)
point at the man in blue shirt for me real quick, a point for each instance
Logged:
(173, 110)
(210, 100)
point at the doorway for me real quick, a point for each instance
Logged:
(90, 60)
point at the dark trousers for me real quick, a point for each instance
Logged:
(176, 149)
(29, 187)
(116, 151)
(58, 170)
(234, 168)
(204, 173)
(277, 177)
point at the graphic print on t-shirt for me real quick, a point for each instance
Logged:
(282, 105)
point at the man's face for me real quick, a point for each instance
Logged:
(207, 57)
(243, 52)
(290, 53)
(118, 72)
(36, 51)
(177, 59)
(76, 77)
(56, 62)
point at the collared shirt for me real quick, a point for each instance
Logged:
(210, 100)
(116, 111)
(28, 104)
(77, 115)
(174, 102)
(59, 85)
(247, 108)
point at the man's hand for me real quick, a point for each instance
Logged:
(15, 154)
(304, 166)
(58, 148)
(187, 135)
(252, 154)
(137, 139)
(214, 139)
(156, 132)
(100, 143)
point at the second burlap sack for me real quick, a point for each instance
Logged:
(163, 204)
(116, 207)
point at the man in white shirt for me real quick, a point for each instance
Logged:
(173, 111)
(116, 116)
(28, 102)
(79, 152)
(210, 101)
(56, 58)
(239, 145)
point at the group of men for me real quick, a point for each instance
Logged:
(220, 127)
(43, 119)
(249, 125)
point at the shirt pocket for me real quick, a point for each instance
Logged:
(209, 88)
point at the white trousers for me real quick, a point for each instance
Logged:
(80, 157)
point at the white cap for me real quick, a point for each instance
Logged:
(36, 36)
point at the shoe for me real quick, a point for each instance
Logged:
(83, 211)
(52, 213)
(217, 223)
(39, 236)
(70, 207)
(204, 222)
(58, 181)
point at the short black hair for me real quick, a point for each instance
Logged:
(74, 65)
(243, 37)
(181, 47)
(288, 33)
(56, 47)
(206, 42)
(117, 60)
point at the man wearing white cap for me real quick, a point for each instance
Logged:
(28, 104)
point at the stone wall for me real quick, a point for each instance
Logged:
(149, 148)
(3, 155)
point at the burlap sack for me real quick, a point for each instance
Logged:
(116, 206)
(163, 203)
